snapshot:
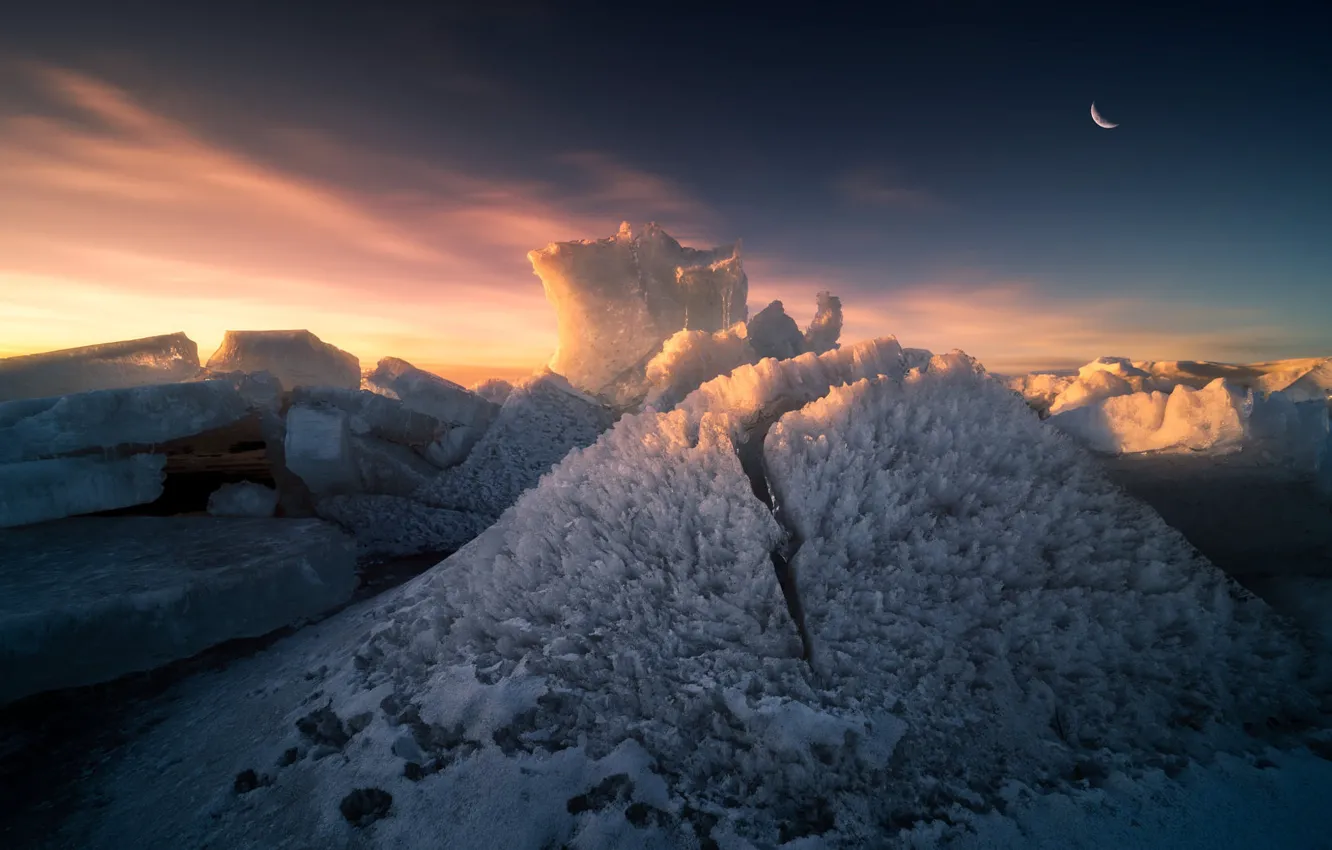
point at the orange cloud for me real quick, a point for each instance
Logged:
(121, 222)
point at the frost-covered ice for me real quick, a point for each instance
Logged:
(987, 611)
(243, 499)
(40, 490)
(1210, 419)
(542, 420)
(617, 299)
(166, 359)
(88, 600)
(296, 358)
(691, 358)
(1090, 388)
(1040, 389)
(391, 526)
(389, 468)
(104, 419)
(432, 395)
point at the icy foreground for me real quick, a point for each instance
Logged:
(163, 359)
(87, 600)
(615, 658)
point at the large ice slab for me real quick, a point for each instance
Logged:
(112, 365)
(88, 600)
(297, 358)
(243, 499)
(103, 419)
(319, 449)
(39, 490)
(690, 359)
(773, 333)
(542, 420)
(617, 299)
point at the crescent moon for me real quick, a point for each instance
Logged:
(1096, 116)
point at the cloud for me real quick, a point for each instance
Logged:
(871, 187)
(123, 222)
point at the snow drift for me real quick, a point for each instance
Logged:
(984, 608)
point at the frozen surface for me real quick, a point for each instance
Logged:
(104, 419)
(40, 490)
(543, 419)
(88, 600)
(164, 359)
(617, 299)
(823, 331)
(623, 618)
(772, 333)
(432, 395)
(989, 612)
(395, 526)
(1211, 419)
(296, 358)
(691, 358)
(243, 499)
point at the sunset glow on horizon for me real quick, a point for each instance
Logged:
(124, 222)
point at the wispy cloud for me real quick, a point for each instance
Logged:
(121, 222)
(871, 186)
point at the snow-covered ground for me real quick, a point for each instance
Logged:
(1007, 651)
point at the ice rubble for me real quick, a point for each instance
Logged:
(40, 490)
(114, 365)
(1210, 419)
(87, 600)
(494, 390)
(985, 609)
(243, 499)
(105, 419)
(542, 420)
(296, 358)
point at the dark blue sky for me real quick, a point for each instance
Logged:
(880, 152)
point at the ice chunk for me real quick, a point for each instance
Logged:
(384, 467)
(543, 419)
(103, 419)
(822, 333)
(39, 490)
(393, 526)
(1286, 430)
(430, 394)
(689, 359)
(243, 498)
(616, 300)
(1323, 468)
(374, 415)
(113, 365)
(319, 449)
(772, 333)
(1040, 389)
(88, 600)
(1097, 384)
(1119, 366)
(494, 390)
(297, 358)
(1211, 419)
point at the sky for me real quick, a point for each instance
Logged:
(376, 173)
